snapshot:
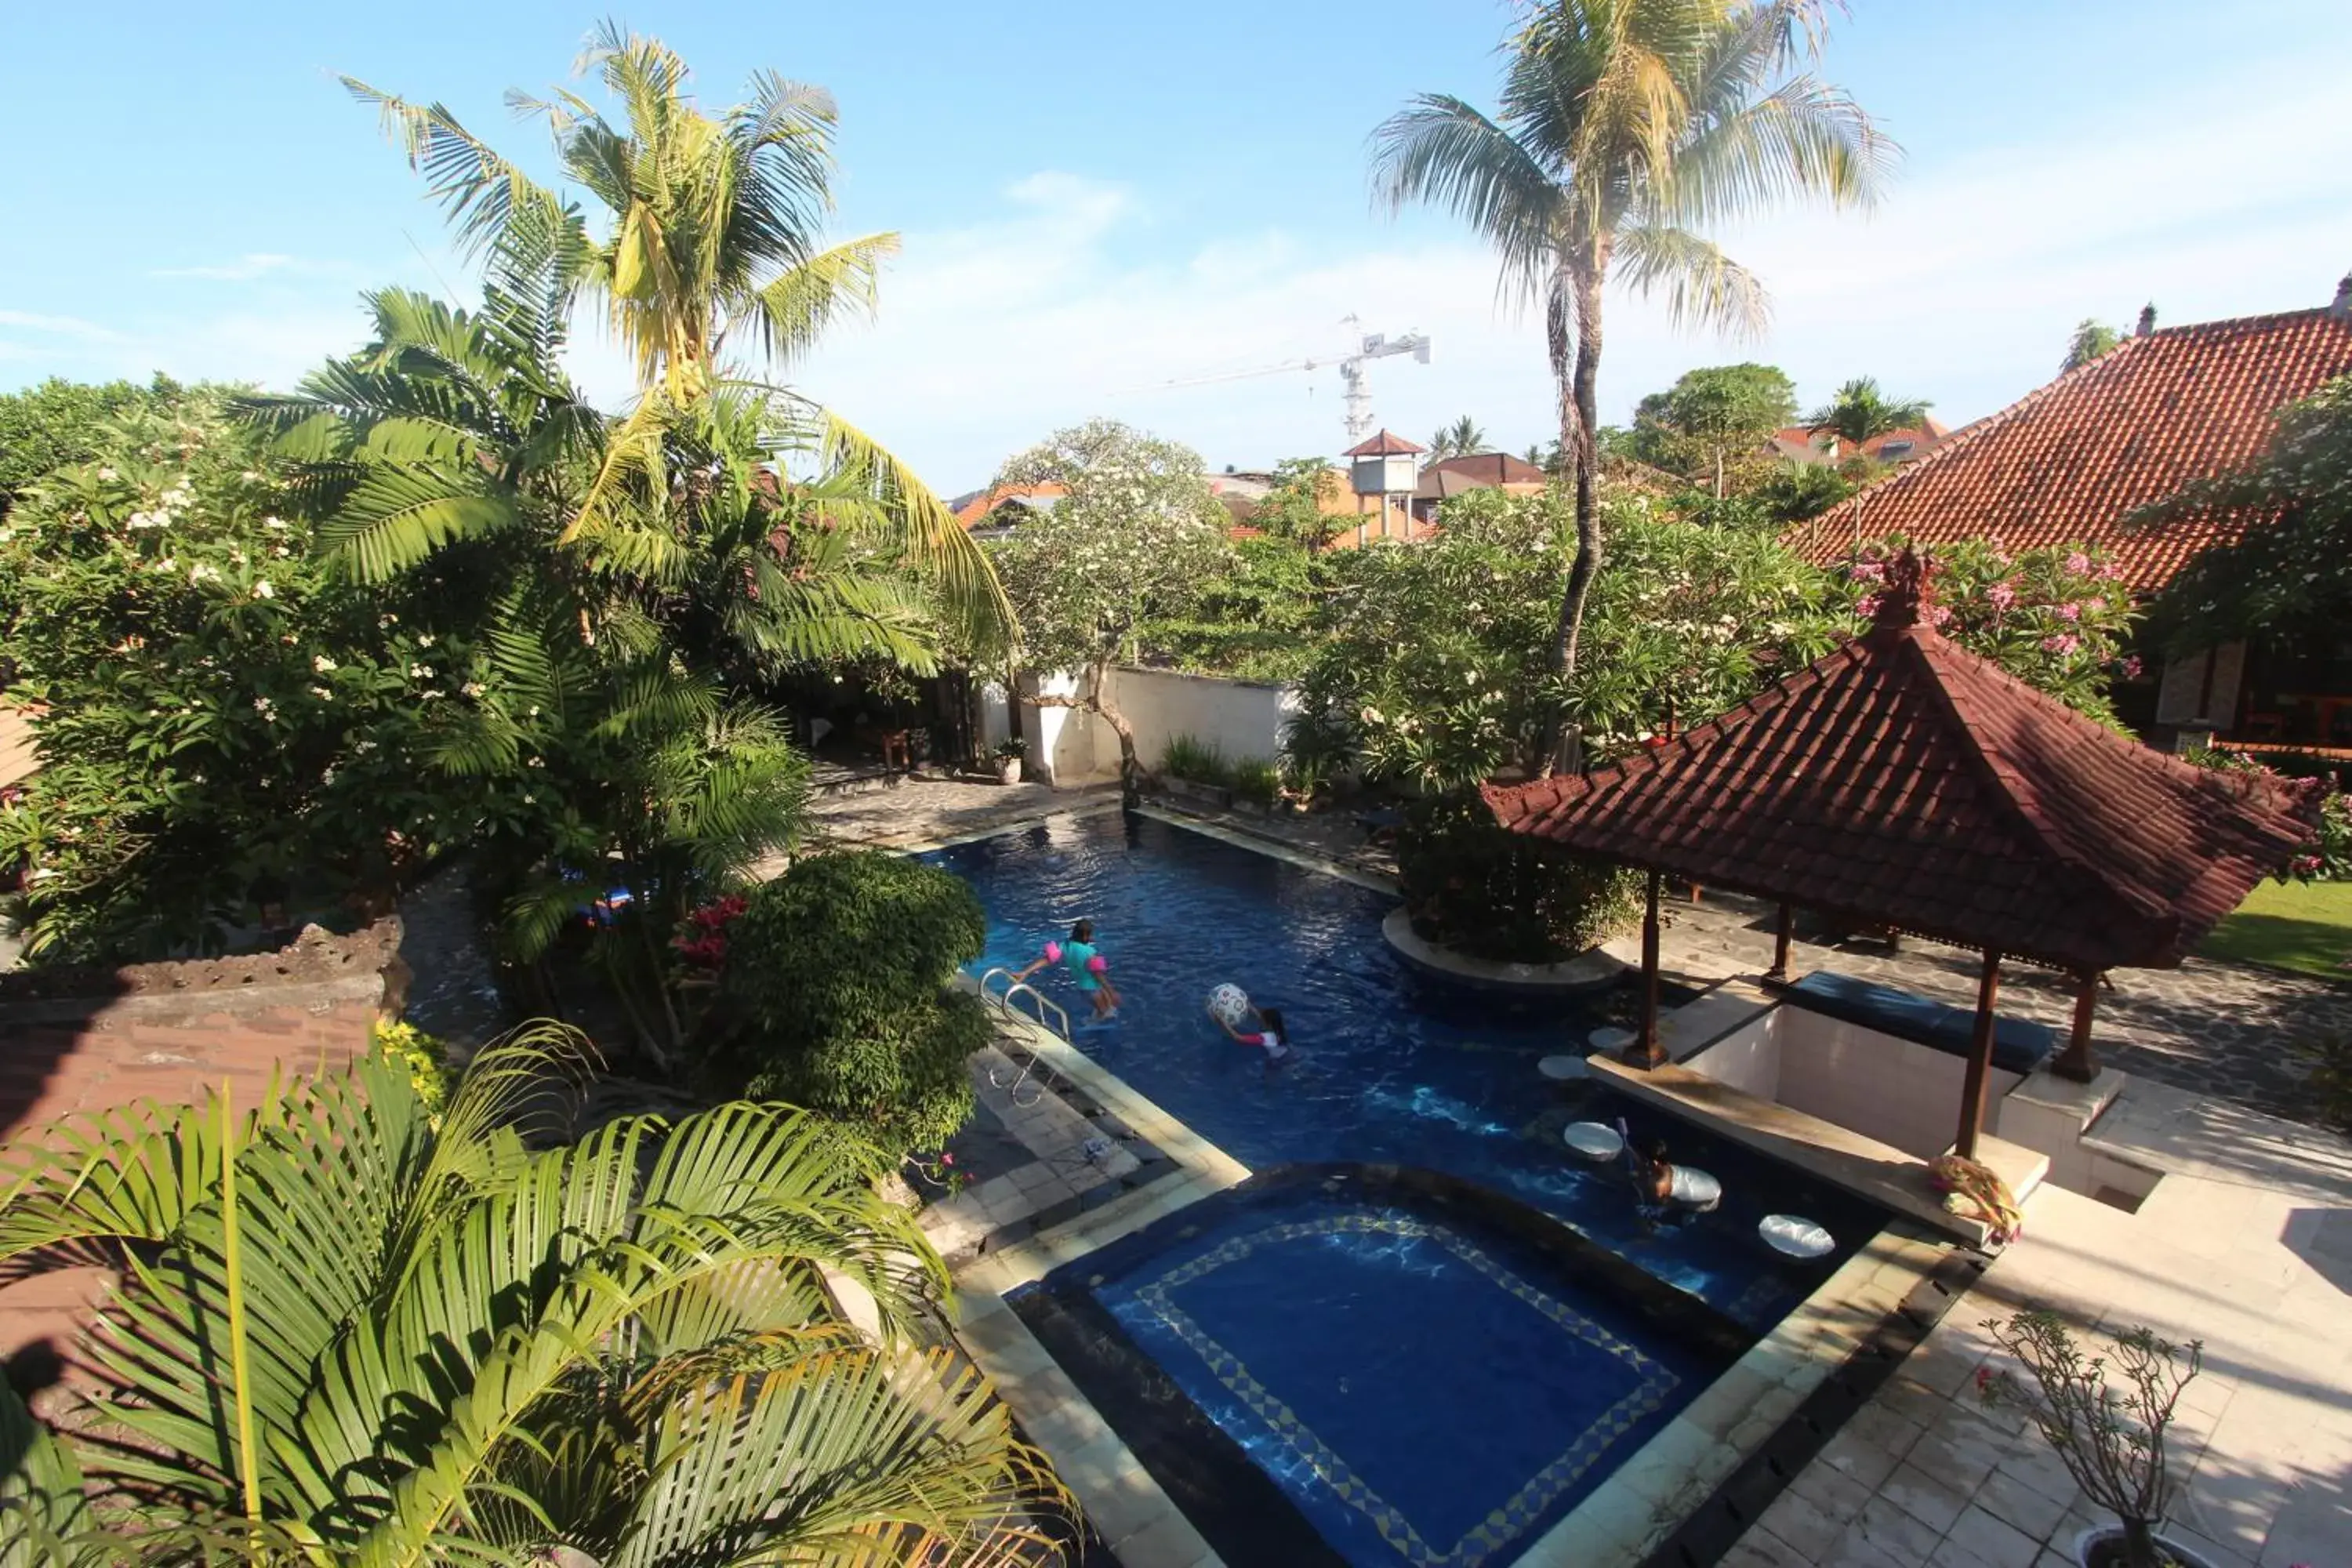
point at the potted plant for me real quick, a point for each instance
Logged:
(1009, 753)
(2111, 1441)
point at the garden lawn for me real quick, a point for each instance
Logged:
(2301, 926)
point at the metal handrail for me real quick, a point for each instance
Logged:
(1043, 1004)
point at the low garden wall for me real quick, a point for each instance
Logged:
(93, 1039)
(1243, 718)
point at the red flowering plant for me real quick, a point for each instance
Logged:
(2329, 857)
(701, 943)
(2058, 618)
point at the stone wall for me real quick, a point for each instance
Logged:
(81, 1041)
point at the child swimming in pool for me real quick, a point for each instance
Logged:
(1683, 1187)
(1086, 967)
(1271, 1035)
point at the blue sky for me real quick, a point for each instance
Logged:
(1098, 199)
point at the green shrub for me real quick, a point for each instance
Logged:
(422, 1057)
(1472, 888)
(1255, 779)
(1189, 757)
(835, 998)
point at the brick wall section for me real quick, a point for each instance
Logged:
(79, 1041)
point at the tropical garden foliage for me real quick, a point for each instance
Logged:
(1626, 129)
(60, 423)
(352, 1332)
(833, 994)
(1858, 411)
(1714, 424)
(1430, 664)
(224, 709)
(2059, 618)
(2291, 576)
(1133, 540)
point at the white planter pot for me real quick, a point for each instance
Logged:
(1008, 770)
(2099, 1534)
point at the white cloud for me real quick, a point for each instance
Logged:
(1963, 288)
(244, 269)
(63, 326)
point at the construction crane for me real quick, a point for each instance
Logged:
(1358, 394)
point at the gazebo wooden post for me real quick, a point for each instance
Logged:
(1646, 1051)
(1972, 1093)
(1779, 973)
(2077, 1061)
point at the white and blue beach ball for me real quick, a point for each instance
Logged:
(1229, 1005)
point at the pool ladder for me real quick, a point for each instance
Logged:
(1040, 1007)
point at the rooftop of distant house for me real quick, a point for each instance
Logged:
(1800, 444)
(2070, 463)
(974, 508)
(1450, 477)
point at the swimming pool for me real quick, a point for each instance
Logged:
(1391, 1068)
(1416, 1375)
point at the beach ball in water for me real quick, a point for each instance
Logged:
(1229, 1005)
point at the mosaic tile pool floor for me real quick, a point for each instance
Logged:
(1423, 1390)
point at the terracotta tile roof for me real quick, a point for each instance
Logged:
(2068, 463)
(974, 509)
(1387, 444)
(1804, 445)
(1901, 782)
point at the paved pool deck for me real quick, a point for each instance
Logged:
(2245, 1244)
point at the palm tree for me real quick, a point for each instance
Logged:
(1463, 438)
(1626, 128)
(1861, 411)
(352, 1332)
(711, 236)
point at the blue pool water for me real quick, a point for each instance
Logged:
(1390, 1068)
(1423, 1388)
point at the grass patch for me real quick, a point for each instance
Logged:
(2302, 926)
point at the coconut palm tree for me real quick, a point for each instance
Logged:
(1626, 128)
(1461, 439)
(1859, 411)
(711, 238)
(349, 1330)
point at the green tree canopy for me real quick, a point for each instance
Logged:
(2091, 339)
(1135, 536)
(2291, 571)
(1628, 128)
(59, 423)
(1714, 425)
(1859, 411)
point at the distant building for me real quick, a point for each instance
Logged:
(1800, 444)
(2070, 463)
(997, 511)
(1443, 479)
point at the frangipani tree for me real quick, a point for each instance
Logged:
(1627, 129)
(353, 1332)
(1135, 536)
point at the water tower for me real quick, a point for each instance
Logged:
(1388, 466)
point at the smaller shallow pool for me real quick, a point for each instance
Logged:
(1424, 1373)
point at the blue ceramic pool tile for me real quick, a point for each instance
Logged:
(1419, 1398)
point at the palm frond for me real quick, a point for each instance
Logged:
(795, 310)
(1703, 287)
(481, 190)
(1443, 151)
(921, 533)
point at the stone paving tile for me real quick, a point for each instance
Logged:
(2212, 1027)
(1992, 1540)
(1924, 1496)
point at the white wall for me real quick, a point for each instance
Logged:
(1243, 718)
(1748, 1058)
(1892, 1090)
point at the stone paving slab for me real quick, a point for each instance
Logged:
(2253, 1257)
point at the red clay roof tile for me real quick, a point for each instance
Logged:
(1902, 782)
(2068, 463)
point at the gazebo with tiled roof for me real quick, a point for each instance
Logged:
(1905, 783)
